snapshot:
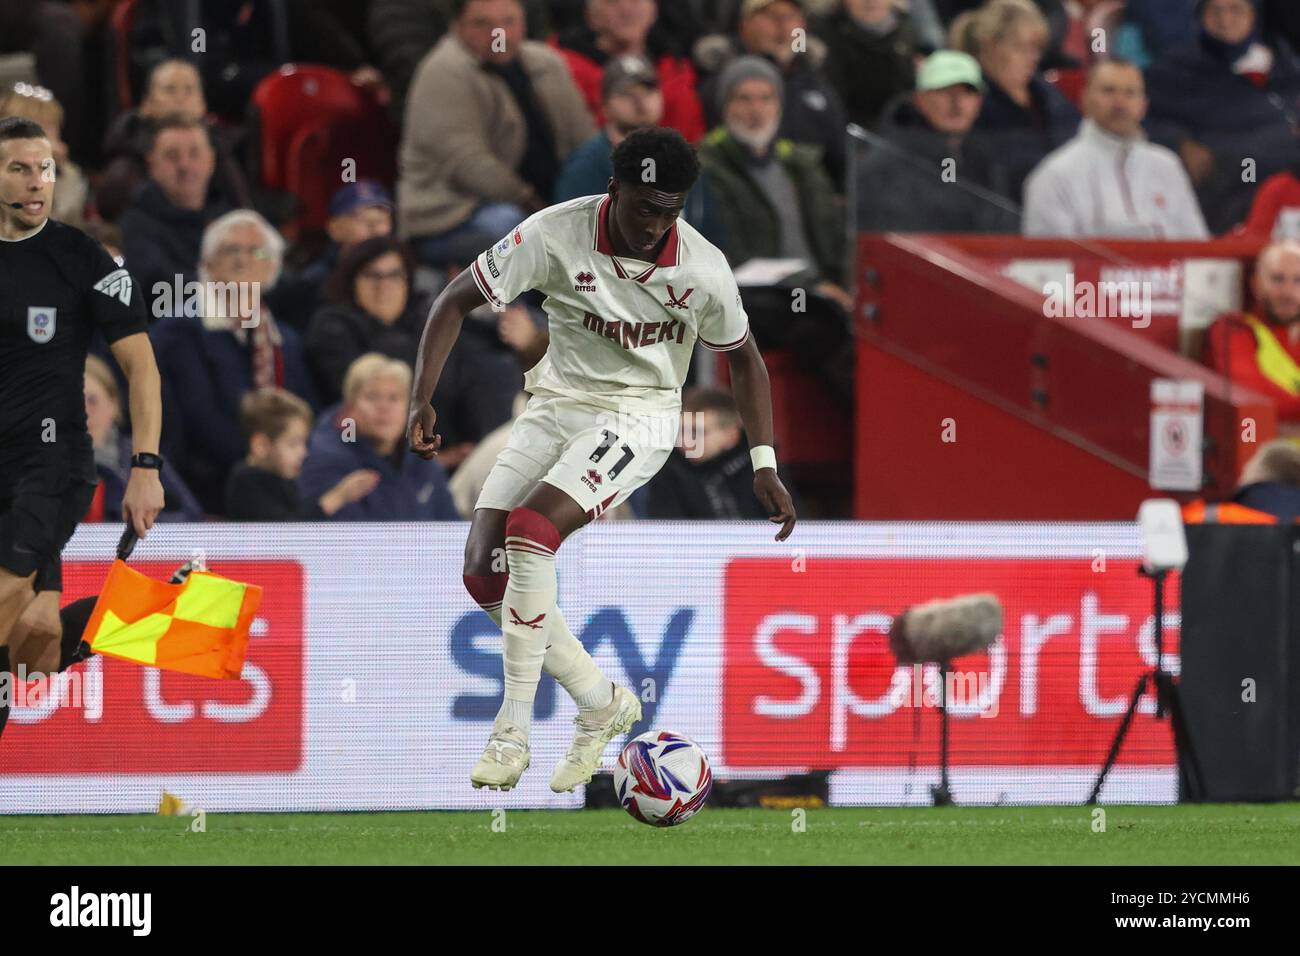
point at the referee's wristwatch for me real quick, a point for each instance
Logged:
(147, 459)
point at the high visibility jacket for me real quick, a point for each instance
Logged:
(1259, 356)
(1227, 512)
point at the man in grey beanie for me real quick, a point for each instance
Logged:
(775, 198)
(742, 70)
(777, 202)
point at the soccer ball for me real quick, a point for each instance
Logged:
(662, 778)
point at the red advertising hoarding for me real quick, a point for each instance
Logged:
(807, 663)
(116, 717)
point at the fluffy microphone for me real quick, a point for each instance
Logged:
(948, 628)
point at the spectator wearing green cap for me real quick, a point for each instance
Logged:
(925, 171)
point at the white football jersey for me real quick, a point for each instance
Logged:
(622, 330)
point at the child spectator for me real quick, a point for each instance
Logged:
(264, 487)
(709, 474)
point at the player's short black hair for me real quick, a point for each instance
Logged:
(675, 167)
(20, 127)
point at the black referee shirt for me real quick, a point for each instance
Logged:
(56, 287)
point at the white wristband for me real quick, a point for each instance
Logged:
(763, 456)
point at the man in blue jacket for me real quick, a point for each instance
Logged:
(1227, 104)
(216, 347)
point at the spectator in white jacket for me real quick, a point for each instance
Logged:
(1108, 181)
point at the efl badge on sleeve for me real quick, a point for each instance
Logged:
(116, 285)
(40, 323)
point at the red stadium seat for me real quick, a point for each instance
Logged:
(309, 120)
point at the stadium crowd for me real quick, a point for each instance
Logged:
(506, 106)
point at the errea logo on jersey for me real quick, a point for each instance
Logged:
(586, 282)
(116, 285)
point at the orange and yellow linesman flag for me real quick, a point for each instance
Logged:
(199, 627)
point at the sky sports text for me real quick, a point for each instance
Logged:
(807, 660)
(76, 909)
(476, 649)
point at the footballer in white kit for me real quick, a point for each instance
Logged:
(629, 290)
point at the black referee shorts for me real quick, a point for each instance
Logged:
(42, 497)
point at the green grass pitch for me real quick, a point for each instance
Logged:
(1218, 834)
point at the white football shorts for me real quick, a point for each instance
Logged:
(596, 455)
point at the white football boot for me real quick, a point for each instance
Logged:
(504, 760)
(595, 730)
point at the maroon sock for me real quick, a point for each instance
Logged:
(487, 589)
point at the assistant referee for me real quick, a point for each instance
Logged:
(57, 285)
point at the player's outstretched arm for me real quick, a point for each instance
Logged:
(143, 498)
(441, 330)
(753, 393)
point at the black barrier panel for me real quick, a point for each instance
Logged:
(1240, 647)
